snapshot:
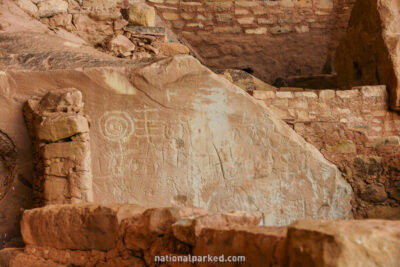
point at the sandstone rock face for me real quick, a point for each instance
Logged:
(344, 243)
(183, 139)
(78, 227)
(369, 54)
(141, 14)
(60, 134)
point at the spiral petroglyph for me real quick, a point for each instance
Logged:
(8, 164)
(116, 125)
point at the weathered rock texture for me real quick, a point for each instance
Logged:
(277, 39)
(169, 132)
(370, 54)
(60, 135)
(355, 130)
(344, 243)
(128, 235)
(164, 132)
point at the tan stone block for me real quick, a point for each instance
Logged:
(28, 7)
(280, 29)
(265, 21)
(188, 230)
(260, 30)
(52, 129)
(245, 20)
(226, 18)
(186, 16)
(246, 3)
(283, 94)
(302, 29)
(347, 93)
(257, 94)
(346, 146)
(227, 29)
(344, 243)
(286, 3)
(71, 150)
(304, 3)
(323, 4)
(55, 190)
(170, 16)
(141, 14)
(75, 226)
(241, 11)
(306, 94)
(327, 94)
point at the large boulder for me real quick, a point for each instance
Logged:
(344, 243)
(369, 53)
(76, 227)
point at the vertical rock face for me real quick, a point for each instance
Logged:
(61, 138)
(171, 132)
(370, 54)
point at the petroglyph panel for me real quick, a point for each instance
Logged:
(208, 144)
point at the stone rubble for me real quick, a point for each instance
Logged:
(129, 235)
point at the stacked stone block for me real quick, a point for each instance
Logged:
(60, 134)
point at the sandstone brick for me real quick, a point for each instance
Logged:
(264, 245)
(326, 94)
(225, 18)
(345, 146)
(324, 4)
(347, 93)
(263, 94)
(304, 3)
(79, 226)
(227, 29)
(57, 128)
(302, 29)
(260, 30)
(188, 230)
(245, 20)
(170, 16)
(284, 94)
(280, 29)
(241, 11)
(373, 91)
(246, 3)
(306, 94)
(265, 21)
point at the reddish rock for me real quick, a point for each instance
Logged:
(261, 246)
(78, 227)
(344, 243)
(121, 46)
(143, 230)
(188, 230)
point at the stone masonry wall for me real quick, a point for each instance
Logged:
(354, 130)
(60, 135)
(277, 39)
